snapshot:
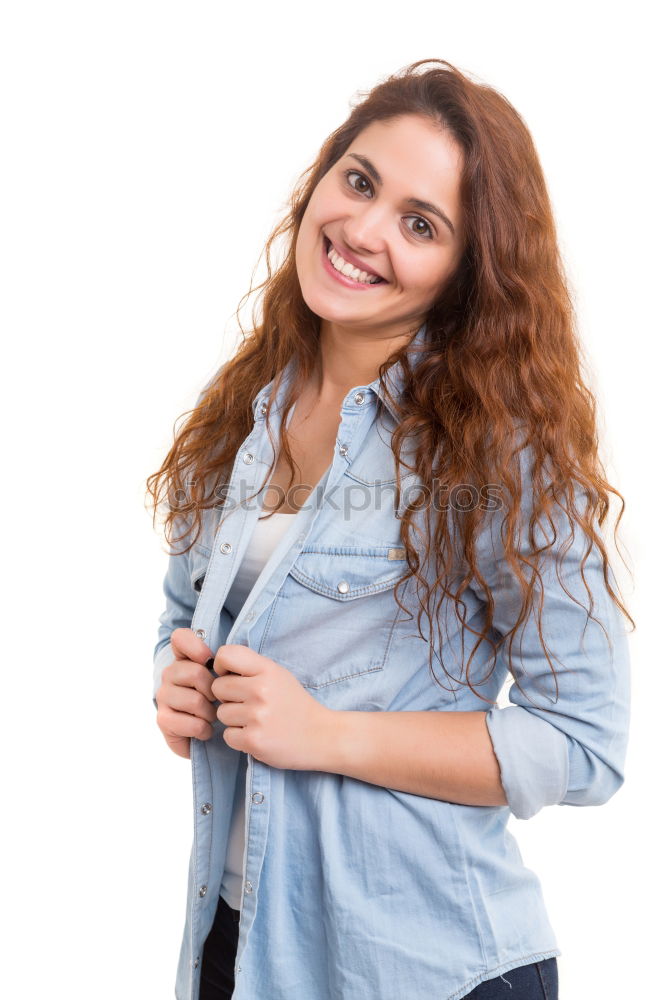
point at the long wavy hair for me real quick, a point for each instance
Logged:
(501, 350)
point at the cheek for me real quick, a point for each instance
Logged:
(310, 231)
(429, 275)
(307, 236)
(325, 205)
(416, 274)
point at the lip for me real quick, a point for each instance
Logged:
(342, 278)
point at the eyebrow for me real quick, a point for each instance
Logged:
(425, 206)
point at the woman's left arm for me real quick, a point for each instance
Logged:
(441, 755)
(545, 748)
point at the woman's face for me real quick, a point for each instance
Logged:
(370, 208)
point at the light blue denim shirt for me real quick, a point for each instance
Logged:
(352, 890)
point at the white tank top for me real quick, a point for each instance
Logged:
(265, 537)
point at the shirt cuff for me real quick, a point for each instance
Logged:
(533, 758)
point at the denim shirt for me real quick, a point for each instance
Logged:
(352, 890)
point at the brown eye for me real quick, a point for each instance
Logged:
(363, 178)
(428, 228)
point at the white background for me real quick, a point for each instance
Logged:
(148, 150)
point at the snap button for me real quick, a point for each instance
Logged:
(358, 398)
(343, 586)
(263, 408)
(257, 797)
(248, 458)
(206, 808)
(248, 887)
(343, 449)
(226, 547)
(203, 890)
(196, 963)
(200, 633)
(250, 616)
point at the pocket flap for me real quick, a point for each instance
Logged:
(347, 572)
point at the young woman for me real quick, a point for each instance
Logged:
(388, 500)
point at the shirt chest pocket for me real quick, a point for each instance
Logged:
(333, 618)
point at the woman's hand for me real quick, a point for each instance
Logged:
(268, 713)
(184, 700)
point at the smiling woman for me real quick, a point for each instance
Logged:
(364, 223)
(413, 397)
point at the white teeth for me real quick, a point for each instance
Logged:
(349, 270)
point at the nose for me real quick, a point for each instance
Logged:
(365, 231)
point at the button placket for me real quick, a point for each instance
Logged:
(251, 456)
(353, 420)
(359, 399)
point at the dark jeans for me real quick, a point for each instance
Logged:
(537, 981)
(219, 955)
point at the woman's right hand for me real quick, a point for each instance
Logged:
(185, 702)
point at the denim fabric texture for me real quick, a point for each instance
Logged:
(352, 890)
(535, 981)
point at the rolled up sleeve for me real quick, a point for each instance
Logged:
(564, 746)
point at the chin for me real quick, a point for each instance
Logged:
(328, 306)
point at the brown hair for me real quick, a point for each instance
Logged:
(501, 350)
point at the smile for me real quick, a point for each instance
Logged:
(345, 272)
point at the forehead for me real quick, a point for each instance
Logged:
(416, 158)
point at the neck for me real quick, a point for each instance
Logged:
(348, 358)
